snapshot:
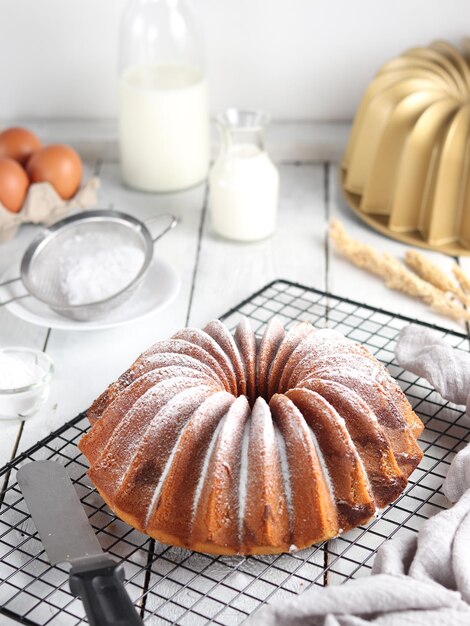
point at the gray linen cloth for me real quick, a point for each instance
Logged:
(422, 579)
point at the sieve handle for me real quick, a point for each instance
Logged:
(9, 282)
(25, 295)
(174, 221)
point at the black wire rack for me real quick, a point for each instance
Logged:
(175, 586)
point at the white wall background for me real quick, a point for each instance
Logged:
(300, 59)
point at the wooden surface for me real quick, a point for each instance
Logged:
(215, 274)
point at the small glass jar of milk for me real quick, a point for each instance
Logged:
(163, 103)
(244, 182)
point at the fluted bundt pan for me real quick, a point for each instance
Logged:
(232, 445)
(406, 170)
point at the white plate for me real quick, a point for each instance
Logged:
(160, 287)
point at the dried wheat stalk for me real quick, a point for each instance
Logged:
(395, 274)
(462, 277)
(431, 273)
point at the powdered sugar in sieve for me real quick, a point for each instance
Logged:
(93, 267)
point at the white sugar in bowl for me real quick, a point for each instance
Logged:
(25, 376)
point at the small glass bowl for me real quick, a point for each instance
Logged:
(22, 402)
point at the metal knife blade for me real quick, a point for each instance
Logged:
(66, 535)
(57, 512)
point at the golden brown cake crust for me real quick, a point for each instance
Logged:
(231, 445)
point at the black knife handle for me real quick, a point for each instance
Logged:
(98, 581)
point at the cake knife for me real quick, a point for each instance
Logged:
(67, 536)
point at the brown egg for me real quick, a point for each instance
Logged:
(18, 144)
(60, 166)
(14, 185)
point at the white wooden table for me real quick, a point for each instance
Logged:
(215, 274)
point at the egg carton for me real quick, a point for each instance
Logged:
(43, 205)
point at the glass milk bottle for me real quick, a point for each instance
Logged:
(244, 182)
(163, 104)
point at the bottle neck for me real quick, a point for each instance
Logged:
(161, 33)
(233, 138)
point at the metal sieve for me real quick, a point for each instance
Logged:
(41, 263)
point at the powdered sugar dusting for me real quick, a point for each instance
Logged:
(168, 359)
(128, 434)
(200, 338)
(321, 460)
(205, 467)
(327, 356)
(223, 337)
(281, 444)
(267, 426)
(179, 346)
(236, 417)
(288, 345)
(174, 407)
(246, 344)
(266, 350)
(100, 273)
(243, 483)
(176, 371)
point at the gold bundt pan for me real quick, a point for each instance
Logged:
(406, 169)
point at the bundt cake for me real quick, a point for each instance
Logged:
(406, 169)
(233, 445)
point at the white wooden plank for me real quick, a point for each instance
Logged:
(352, 282)
(87, 362)
(8, 436)
(229, 271)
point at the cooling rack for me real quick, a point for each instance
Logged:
(174, 586)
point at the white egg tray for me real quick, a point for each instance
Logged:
(43, 205)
